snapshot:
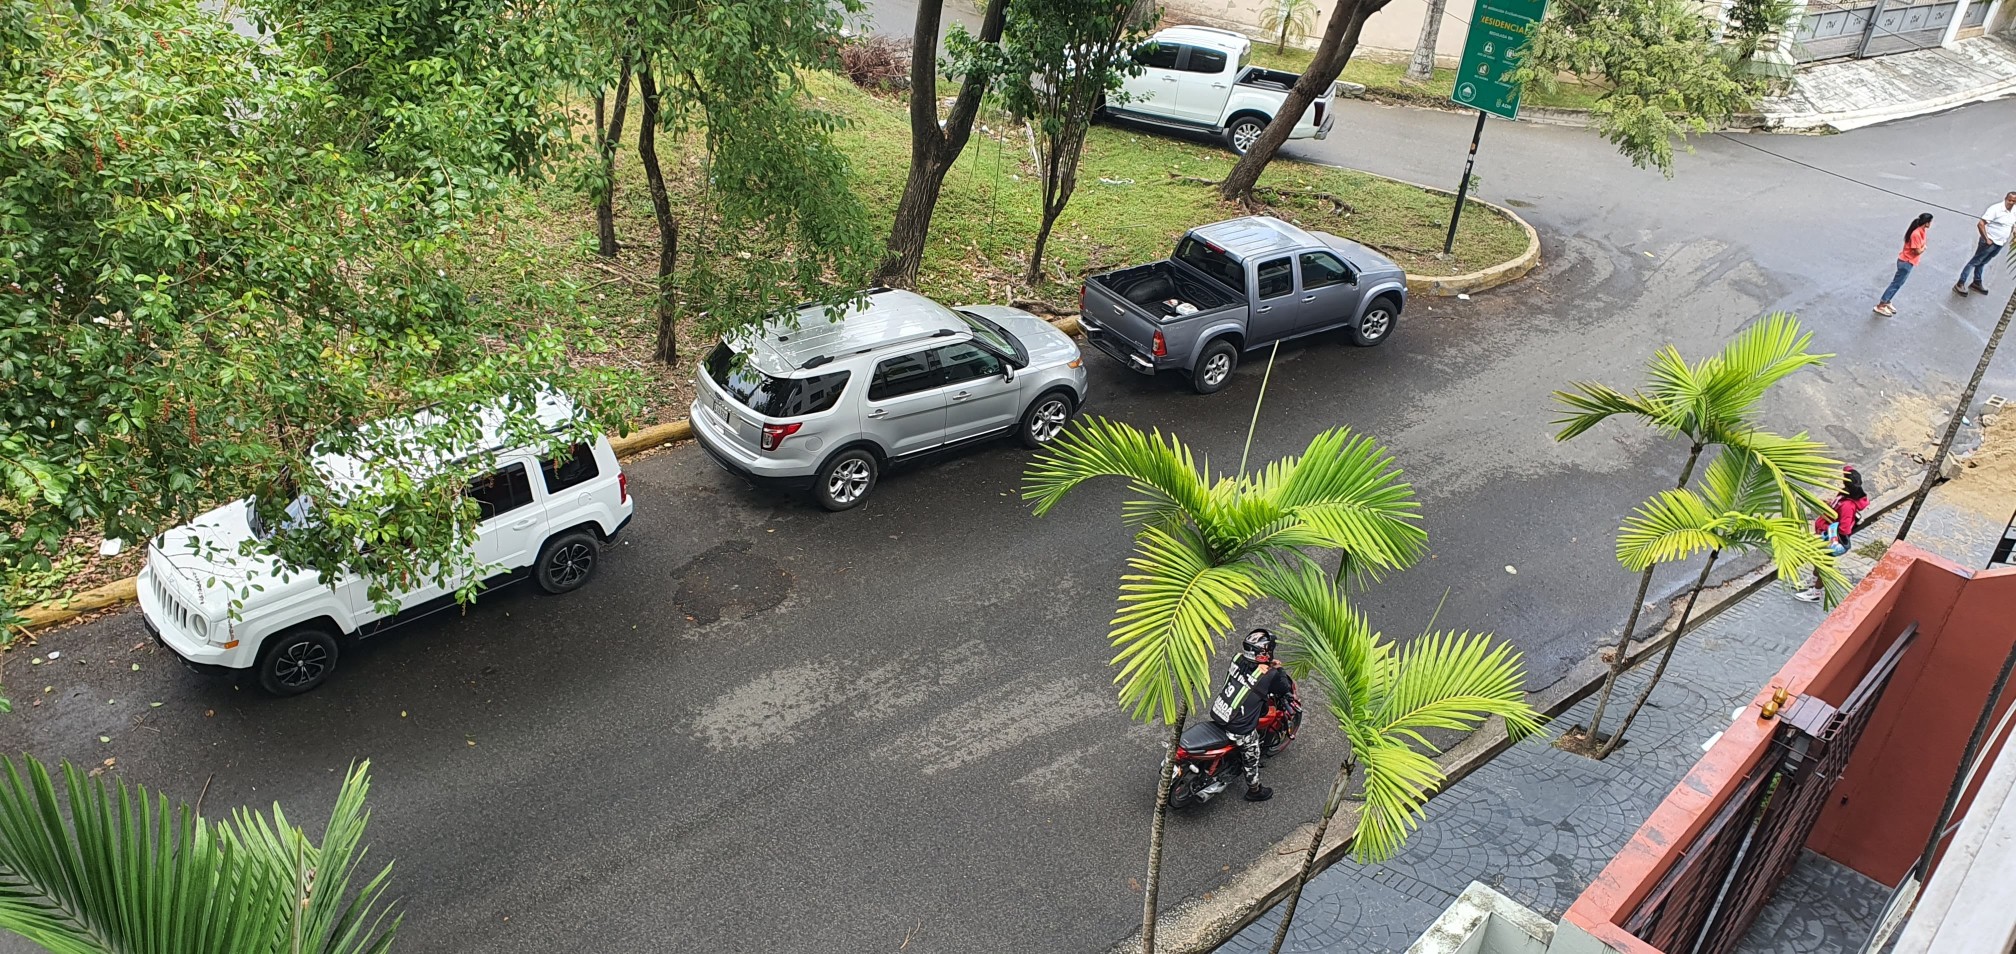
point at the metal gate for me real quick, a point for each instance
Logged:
(1872, 27)
(1726, 876)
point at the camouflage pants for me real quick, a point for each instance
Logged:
(1249, 744)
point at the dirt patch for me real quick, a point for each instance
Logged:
(1987, 482)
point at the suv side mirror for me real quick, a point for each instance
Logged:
(1007, 371)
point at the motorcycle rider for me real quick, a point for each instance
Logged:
(1252, 681)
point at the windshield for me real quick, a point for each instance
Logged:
(1212, 261)
(995, 336)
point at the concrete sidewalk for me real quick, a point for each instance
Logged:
(1538, 824)
(1847, 94)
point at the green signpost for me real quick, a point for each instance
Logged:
(1490, 54)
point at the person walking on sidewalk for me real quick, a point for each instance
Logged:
(1995, 226)
(1914, 246)
(1837, 528)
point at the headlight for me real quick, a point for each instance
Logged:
(201, 626)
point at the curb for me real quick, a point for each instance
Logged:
(1201, 926)
(1503, 273)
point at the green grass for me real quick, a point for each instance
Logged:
(1389, 81)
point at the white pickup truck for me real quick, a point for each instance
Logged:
(1197, 78)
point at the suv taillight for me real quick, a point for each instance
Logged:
(1161, 346)
(622, 488)
(774, 434)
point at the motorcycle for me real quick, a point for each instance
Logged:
(1207, 759)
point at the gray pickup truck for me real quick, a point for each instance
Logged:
(1238, 285)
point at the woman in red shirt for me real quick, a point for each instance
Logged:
(1914, 246)
(1840, 525)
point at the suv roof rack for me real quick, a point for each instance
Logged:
(815, 361)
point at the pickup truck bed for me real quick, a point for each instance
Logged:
(1268, 79)
(1159, 287)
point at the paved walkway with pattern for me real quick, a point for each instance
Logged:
(1538, 824)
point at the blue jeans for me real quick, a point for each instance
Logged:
(1984, 252)
(1903, 272)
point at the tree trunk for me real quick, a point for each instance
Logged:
(1060, 179)
(1658, 672)
(1623, 655)
(1340, 40)
(1281, 42)
(1959, 414)
(667, 349)
(1309, 857)
(1421, 69)
(934, 149)
(611, 138)
(1154, 882)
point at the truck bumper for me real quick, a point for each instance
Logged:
(1119, 349)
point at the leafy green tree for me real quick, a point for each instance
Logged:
(1739, 508)
(1057, 62)
(1712, 403)
(105, 869)
(1333, 52)
(729, 73)
(935, 144)
(1281, 18)
(202, 290)
(1383, 698)
(1203, 545)
(1662, 73)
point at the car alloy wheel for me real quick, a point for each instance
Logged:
(1049, 419)
(301, 664)
(849, 481)
(1245, 135)
(570, 564)
(1216, 368)
(1376, 323)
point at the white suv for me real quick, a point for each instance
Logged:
(542, 518)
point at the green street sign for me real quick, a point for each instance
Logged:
(1497, 34)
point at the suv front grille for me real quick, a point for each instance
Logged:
(173, 608)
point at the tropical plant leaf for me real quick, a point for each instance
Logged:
(1807, 478)
(1673, 525)
(1174, 607)
(1761, 355)
(1096, 447)
(120, 871)
(1590, 404)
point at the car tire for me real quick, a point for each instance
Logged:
(1214, 367)
(567, 561)
(1046, 418)
(1243, 133)
(1376, 325)
(297, 660)
(846, 479)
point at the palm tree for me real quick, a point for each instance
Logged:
(1711, 403)
(121, 874)
(1383, 697)
(1283, 17)
(1202, 545)
(1739, 508)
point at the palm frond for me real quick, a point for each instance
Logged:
(1805, 476)
(1768, 351)
(1398, 781)
(1738, 482)
(1349, 490)
(120, 871)
(1673, 525)
(1174, 607)
(1682, 391)
(1796, 551)
(1096, 447)
(1589, 404)
(1326, 637)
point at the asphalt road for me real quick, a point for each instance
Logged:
(766, 728)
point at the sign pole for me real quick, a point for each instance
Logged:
(1463, 190)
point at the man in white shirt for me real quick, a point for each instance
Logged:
(1995, 226)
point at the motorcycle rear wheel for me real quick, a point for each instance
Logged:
(1183, 792)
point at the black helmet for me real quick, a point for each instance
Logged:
(1259, 644)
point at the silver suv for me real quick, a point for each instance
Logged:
(832, 403)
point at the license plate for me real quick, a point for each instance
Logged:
(721, 411)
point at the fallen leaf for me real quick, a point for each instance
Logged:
(207, 713)
(110, 762)
(1512, 569)
(58, 654)
(153, 705)
(104, 738)
(136, 667)
(37, 661)
(402, 713)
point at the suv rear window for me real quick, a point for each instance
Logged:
(577, 467)
(1198, 254)
(773, 397)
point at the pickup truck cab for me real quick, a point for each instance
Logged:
(1197, 78)
(1237, 285)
